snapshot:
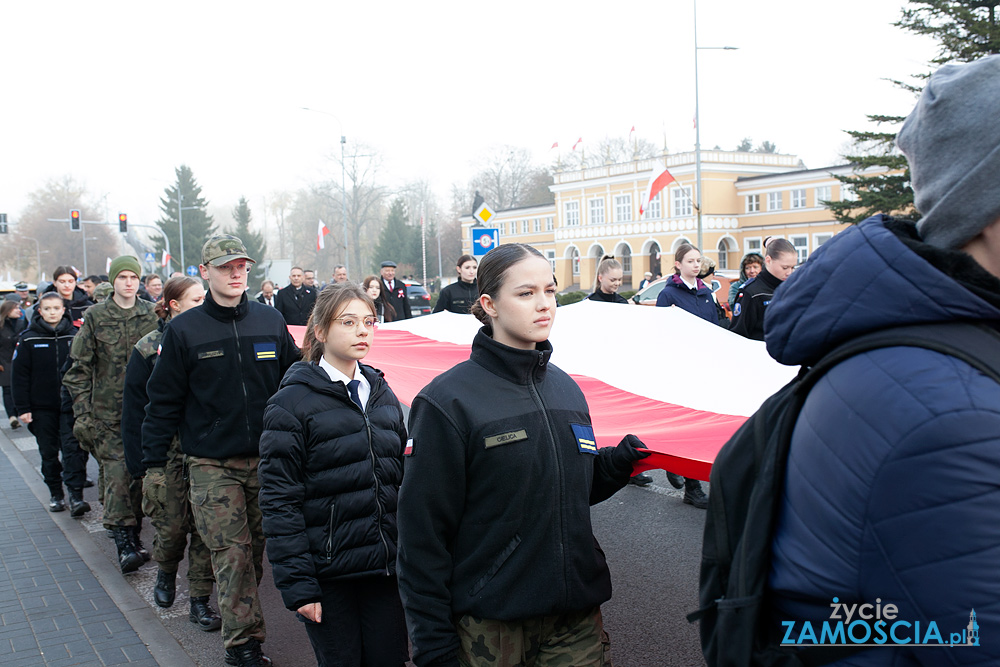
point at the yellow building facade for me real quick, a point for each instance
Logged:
(746, 197)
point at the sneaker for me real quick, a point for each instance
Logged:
(693, 495)
(247, 655)
(642, 479)
(57, 505)
(676, 481)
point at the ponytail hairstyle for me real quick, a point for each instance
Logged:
(173, 289)
(493, 272)
(682, 250)
(608, 263)
(777, 247)
(329, 304)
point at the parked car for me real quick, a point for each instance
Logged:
(420, 300)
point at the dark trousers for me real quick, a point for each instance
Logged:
(46, 427)
(363, 624)
(8, 402)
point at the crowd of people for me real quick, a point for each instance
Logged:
(465, 534)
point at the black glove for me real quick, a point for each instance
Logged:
(627, 451)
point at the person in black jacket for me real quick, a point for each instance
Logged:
(12, 323)
(76, 300)
(780, 259)
(502, 467)
(459, 297)
(296, 300)
(218, 366)
(330, 469)
(394, 291)
(42, 351)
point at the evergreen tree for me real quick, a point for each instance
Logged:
(198, 225)
(253, 241)
(966, 30)
(398, 241)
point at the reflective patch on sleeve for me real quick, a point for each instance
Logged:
(585, 440)
(265, 351)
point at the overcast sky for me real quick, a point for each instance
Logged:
(117, 94)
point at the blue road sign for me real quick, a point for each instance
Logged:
(149, 257)
(484, 239)
(192, 271)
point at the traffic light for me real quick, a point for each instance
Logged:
(123, 223)
(74, 220)
(3, 223)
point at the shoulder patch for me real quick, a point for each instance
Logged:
(505, 438)
(265, 351)
(408, 450)
(585, 440)
(737, 309)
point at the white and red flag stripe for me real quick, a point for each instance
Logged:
(657, 181)
(321, 231)
(165, 260)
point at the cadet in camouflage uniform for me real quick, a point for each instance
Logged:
(170, 511)
(100, 352)
(218, 366)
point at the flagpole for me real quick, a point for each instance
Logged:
(423, 241)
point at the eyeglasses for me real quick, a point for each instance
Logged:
(352, 322)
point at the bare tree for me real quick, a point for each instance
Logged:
(504, 176)
(278, 205)
(614, 150)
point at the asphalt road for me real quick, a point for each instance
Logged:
(652, 542)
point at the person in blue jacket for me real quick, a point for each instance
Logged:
(893, 489)
(686, 291)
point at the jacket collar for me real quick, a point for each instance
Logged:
(225, 313)
(513, 365)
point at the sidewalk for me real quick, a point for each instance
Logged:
(62, 602)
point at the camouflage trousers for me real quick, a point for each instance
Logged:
(223, 495)
(562, 640)
(120, 494)
(173, 523)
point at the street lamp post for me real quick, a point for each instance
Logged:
(343, 183)
(697, 122)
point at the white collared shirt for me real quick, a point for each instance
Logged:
(364, 389)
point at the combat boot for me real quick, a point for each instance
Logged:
(128, 559)
(77, 505)
(57, 504)
(204, 616)
(165, 588)
(137, 542)
(247, 655)
(693, 495)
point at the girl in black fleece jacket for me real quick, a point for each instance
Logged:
(331, 464)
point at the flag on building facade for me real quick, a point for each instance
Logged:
(578, 142)
(321, 231)
(657, 181)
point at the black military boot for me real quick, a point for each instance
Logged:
(128, 559)
(57, 504)
(137, 541)
(693, 495)
(77, 505)
(247, 655)
(204, 616)
(165, 588)
(676, 481)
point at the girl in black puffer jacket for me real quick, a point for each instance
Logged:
(330, 469)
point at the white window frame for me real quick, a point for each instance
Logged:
(681, 201)
(798, 198)
(801, 244)
(575, 261)
(655, 208)
(823, 193)
(536, 225)
(753, 203)
(774, 201)
(549, 224)
(753, 244)
(723, 250)
(623, 208)
(525, 226)
(847, 192)
(595, 211)
(551, 256)
(820, 238)
(502, 226)
(571, 212)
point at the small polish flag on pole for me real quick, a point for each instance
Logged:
(555, 145)
(165, 260)
(321, 231)
(108, 266)
(657, 181)
(578, 142)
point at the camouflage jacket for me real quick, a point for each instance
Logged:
(100, 353)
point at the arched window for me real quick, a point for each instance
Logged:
(624, 255)
(574, 256)
(654, 259)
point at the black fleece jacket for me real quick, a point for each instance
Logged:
(751, 303)
(494, 511)
(457, 297)
(41, 353)
(217, 368)
(329, 477)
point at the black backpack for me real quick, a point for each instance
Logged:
(747, 480)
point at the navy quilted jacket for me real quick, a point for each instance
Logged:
(893, 486)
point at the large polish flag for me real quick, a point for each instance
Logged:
(658, 180)
(679, 383)
(321, 231)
